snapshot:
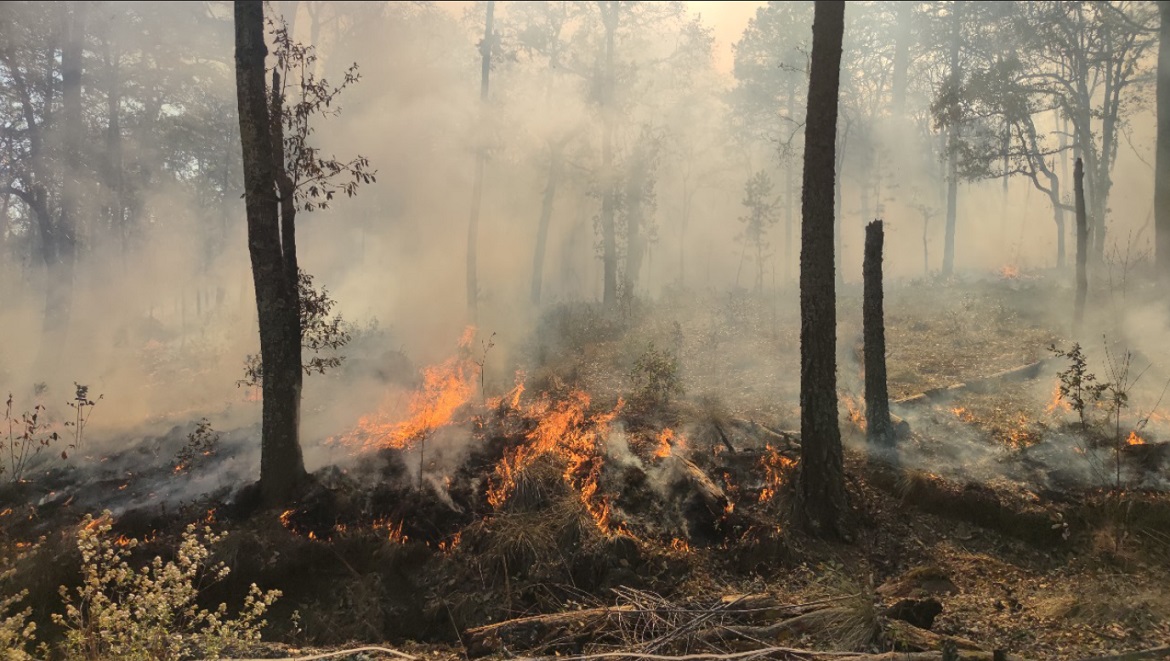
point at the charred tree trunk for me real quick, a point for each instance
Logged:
(879, 428)
(1162, 163)
(609, 18)
(948, 264)
(1082, 246)
(485, 49)
(822, 476)
(282, 468)
(546, 209)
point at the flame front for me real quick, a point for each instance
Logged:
(1134, 439)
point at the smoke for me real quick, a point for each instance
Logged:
(162, 321)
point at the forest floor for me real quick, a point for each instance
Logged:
(643, 477)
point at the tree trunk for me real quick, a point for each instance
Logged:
(948, 265)
(905, 17)
(59, 299)
(609, 17)
(822, 477)
(879, 428)
(1058, 217)
(546, 208)
(1162, 163)
(485, 49)
(1082, 246)
(282, 467)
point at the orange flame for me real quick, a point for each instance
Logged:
(564, 430)
(855, 410)
(1057, 401)
(668, 441)
(776, 468)
(1134, 439)
(1009, 272)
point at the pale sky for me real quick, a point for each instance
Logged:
(727, 18)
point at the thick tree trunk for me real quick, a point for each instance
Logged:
(609, 17)
(1162, 163)
(822, 476)
(1082, 246)
(281, 464)
(485, 49)
(879, 428)
(546, 209)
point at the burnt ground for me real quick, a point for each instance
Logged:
(1037, 537)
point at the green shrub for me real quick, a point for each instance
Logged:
(151, 613)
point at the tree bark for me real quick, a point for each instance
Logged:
(1162, 162)
(282, 468)
(63, 250)
(1082, 246)
(485, 49)
(822, 478)
(546, 209)
(609, 17)
(905, 18)
(948, 264)
(879, 428)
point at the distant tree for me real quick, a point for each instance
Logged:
(763, 212)
(822, 477)
(485, 49)
(1162, 164)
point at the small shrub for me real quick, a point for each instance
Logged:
(25, 435)
(151, 613)
(655, 376)
(17, 634)
(1078, 386)
(201, 443)
(82, 407)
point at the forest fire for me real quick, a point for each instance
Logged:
(668, 443)
(1134, 439)
(445, 388)
(1058, 402)
(1009, 272)
(855, 409)
(777, 468)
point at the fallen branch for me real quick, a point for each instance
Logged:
(330, 655)
(1021, 373)
(782, 652)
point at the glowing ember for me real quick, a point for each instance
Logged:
(1134, 439)
(680, 545)
(962, 413)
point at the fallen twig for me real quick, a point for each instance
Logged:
(331, 655)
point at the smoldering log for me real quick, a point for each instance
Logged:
(1022, 373)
